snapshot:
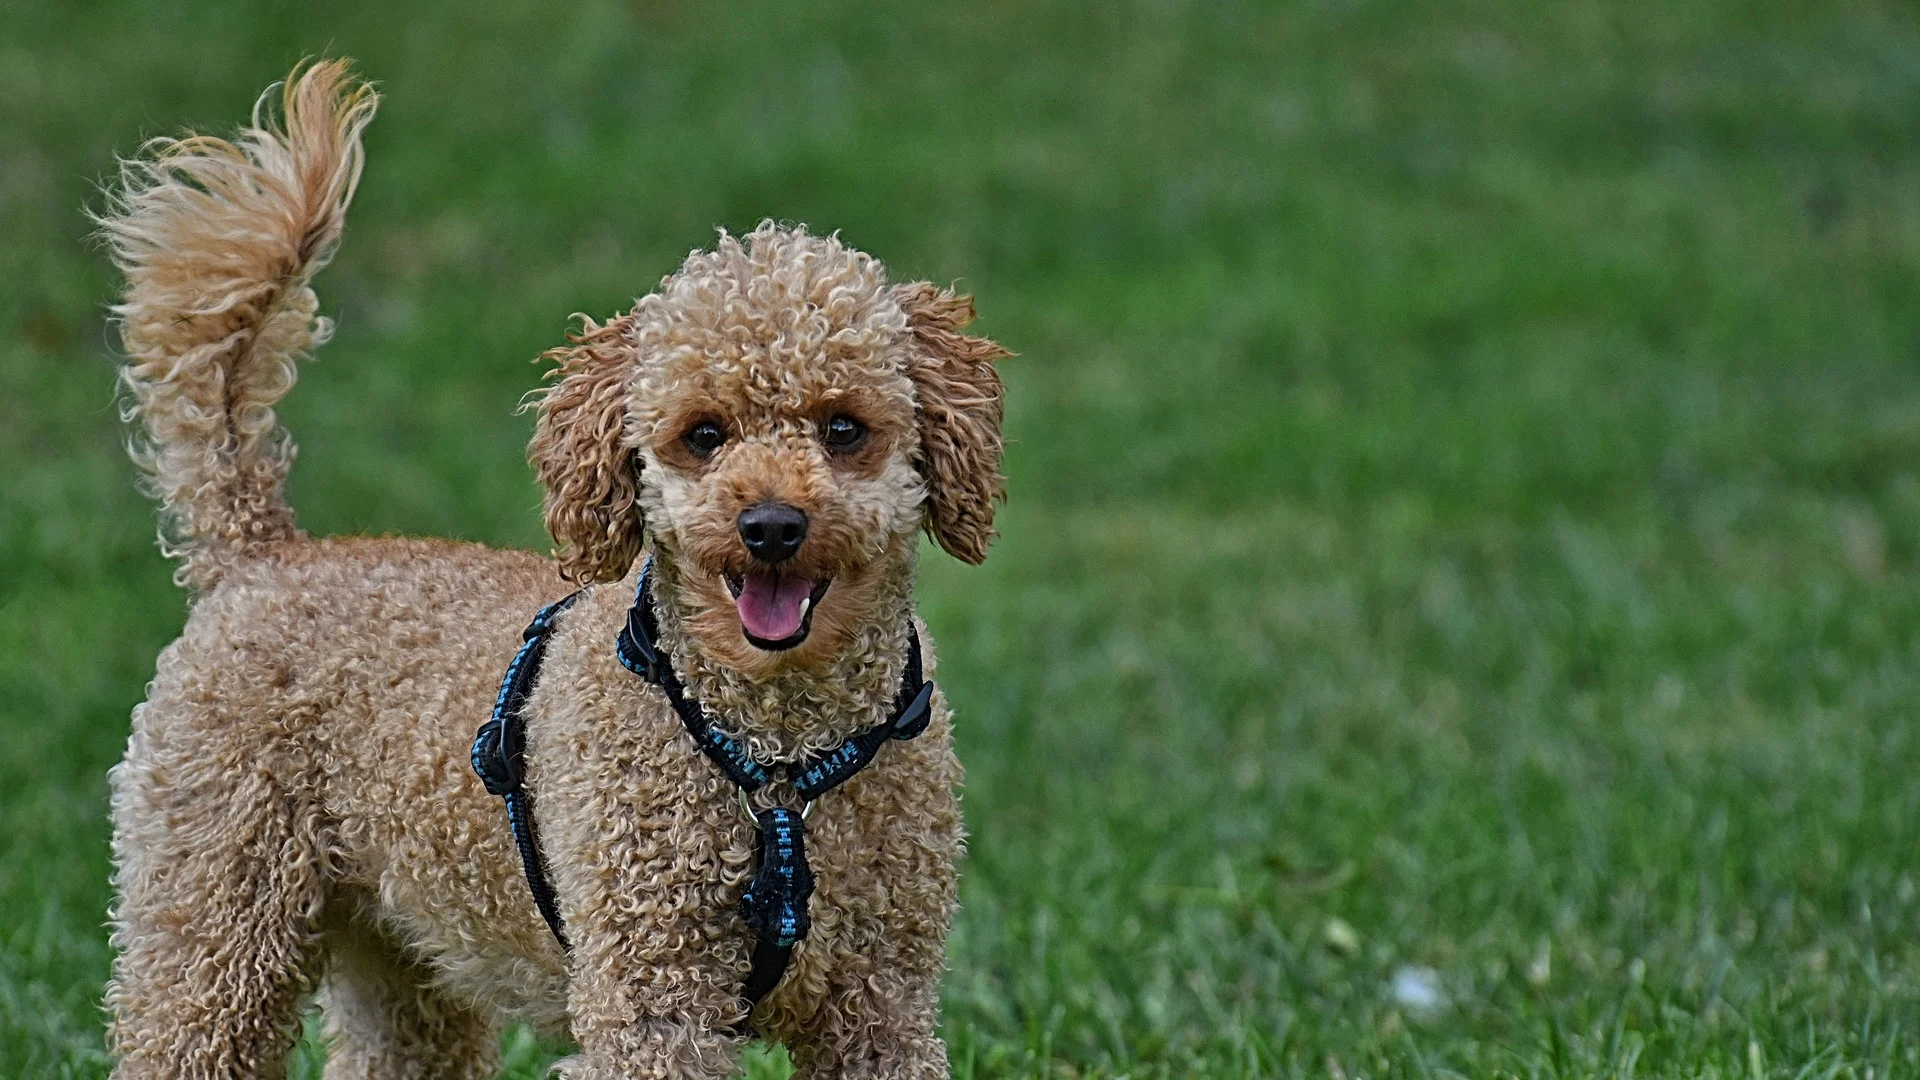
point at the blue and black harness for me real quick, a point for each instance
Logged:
(774, 905)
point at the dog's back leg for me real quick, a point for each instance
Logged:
(386, 1021)
(219, 874)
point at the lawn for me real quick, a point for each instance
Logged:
(1456, 613)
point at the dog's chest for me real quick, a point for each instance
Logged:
(647, 844)
(883, 851)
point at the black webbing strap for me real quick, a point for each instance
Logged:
(499, 749)
(827, 771)
(769, 967)
(639, 652)
(774, 905)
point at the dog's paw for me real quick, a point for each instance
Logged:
(567, 1068)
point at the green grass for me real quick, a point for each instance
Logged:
(1465, 482)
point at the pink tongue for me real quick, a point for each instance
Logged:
(770, 604)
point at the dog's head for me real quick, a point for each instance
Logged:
(785, 423)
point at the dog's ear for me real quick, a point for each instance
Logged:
(959, 401)
(580, 454)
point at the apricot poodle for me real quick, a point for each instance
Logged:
(297, 812)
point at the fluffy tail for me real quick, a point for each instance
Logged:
(218, 241)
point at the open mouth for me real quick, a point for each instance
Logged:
(776, 609)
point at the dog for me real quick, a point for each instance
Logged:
(767, 432)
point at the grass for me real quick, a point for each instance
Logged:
(1465, 483)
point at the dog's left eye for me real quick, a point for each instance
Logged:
(843, 433)
(704, 438)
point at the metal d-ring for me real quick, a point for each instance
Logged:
(806, 808)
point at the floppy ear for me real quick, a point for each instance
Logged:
(580, 454)
(959, 401)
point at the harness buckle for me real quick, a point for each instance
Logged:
(493, 761)
(637, 653)
(915, 714)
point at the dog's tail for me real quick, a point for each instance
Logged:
(219, 241)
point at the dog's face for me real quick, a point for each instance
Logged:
(785, 423)
(775, 427)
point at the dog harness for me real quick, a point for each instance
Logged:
(499, 750)
(774, 905)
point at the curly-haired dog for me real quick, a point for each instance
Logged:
(296, 810)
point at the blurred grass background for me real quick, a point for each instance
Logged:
(1465, 482)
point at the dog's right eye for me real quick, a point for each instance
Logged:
(704, 438)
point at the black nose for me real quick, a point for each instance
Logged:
(773, 531)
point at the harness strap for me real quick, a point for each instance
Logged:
(499, 751)
(639, 653)
(827, 771)
(769, 967)
(774, 905)
(520, 820)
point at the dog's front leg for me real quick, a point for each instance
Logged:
(651, 990)
(654, 1049)
(648, 996)
(645, 1006)
(878, 1026)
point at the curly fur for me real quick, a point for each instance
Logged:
(579, 453)
(960, 407)
(218, 241)
(295, 813)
